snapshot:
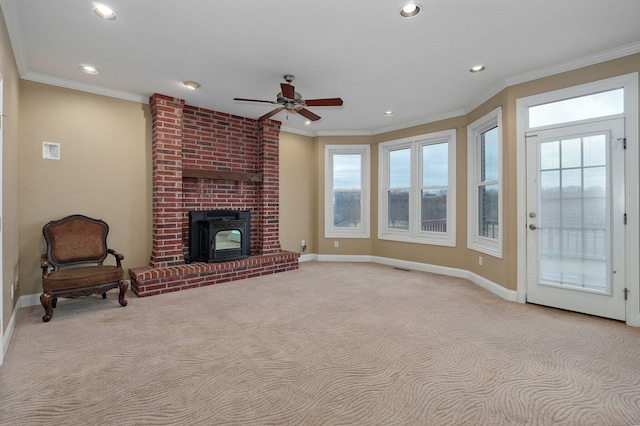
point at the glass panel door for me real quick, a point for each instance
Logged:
(575, 207)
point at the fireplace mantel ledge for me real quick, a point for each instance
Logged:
(221, 175)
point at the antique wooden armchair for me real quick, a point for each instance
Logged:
(73, 264)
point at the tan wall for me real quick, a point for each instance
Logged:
(10, 172)
(298, 208)
(104, 171)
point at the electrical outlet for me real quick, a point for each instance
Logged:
(480, 260)
(336, 244)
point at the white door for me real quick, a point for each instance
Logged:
(2, 325)
(576, 218)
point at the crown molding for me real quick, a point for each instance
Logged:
(85, 87)
(297, 131)
(432, 119)
(486, 96)
(585, 61)
(15, 35)
(344, 133)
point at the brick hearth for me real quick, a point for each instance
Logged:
(187, 138)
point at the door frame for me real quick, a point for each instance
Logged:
(632, 159)
(2, 283)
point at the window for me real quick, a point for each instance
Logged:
(485, 184)
(593, 105)
(417, 189)
(347, 191)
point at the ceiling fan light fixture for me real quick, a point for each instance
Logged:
(193, 85)
(410, 10)
(88, 69)
(104, 12)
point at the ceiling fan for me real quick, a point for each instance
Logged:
(292, 101)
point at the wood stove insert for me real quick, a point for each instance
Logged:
(219, 235)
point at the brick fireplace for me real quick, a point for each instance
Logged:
(207, 160)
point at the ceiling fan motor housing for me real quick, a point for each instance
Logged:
(290, 104)
(290, 100)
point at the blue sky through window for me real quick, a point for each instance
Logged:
(581, 108)
(347, 171)
(400, 168)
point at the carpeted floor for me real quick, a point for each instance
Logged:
(329, 344)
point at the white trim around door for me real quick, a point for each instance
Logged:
(632, 245)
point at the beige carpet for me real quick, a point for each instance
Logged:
(329, 344)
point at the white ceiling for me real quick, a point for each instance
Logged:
(359, 50)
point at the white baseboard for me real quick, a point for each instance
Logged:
(23, 302)
(307, 257)
(343, 258)
(498, 290)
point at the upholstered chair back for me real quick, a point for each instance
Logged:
(76, 239)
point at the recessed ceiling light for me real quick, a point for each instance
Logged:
(193, 85)
(388, 113)
(104, 12)
(88, 69)
(306, 123)
(477, 68)
(410, 10)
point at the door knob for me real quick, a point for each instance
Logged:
(533, 227)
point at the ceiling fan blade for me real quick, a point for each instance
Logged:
(270, 114)
(254, 100)
(324, 102)
(308, 114)
(288, 91)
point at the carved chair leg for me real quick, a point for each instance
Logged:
(123, 289)
(45, 299)
(54, 302)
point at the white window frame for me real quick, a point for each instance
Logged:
(415, 234)
(363, 230)
(490, 246)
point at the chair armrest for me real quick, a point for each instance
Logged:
(119, 257)
(44, 264)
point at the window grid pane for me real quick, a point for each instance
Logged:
(400, 168)
(488, 211)
(398, 201)
(347, 171)
(489, 155)
(433, 193)
(347, 209)
(434, 210)
(573, 214)
(435, 164)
